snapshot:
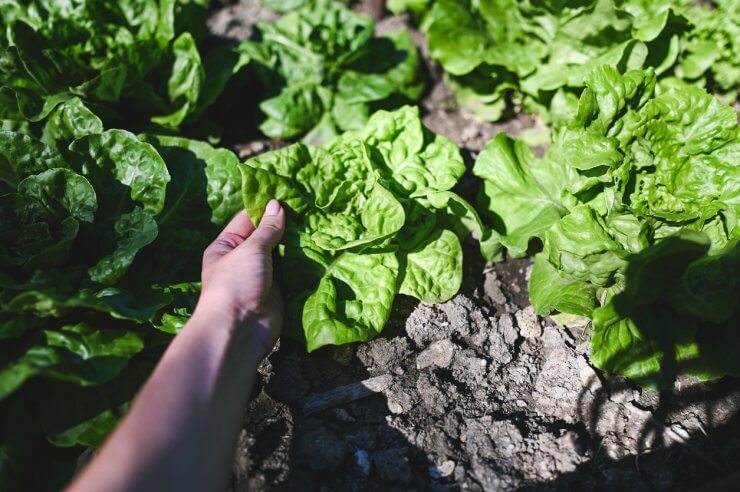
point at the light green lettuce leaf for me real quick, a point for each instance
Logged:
(552, 290)
(352, 301)
(645, 185)
(521, 191)
(431, 272)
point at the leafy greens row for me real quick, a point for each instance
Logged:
(145, 64)
(101, 235)
(328, 72)
(133, 59)
(538, 53)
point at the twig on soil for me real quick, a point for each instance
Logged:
(345, 394)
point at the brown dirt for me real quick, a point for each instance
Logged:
(484, 395)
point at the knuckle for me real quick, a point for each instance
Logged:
(270, 225)
(228, 240)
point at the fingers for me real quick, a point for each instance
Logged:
(234, 234)
(270, 230)
(240, 225)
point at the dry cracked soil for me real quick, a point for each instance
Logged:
(477, 393)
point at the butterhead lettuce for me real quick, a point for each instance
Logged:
(325, 71)
(503, 54)
(101, 237)
(636, 206)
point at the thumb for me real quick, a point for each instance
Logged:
(271, 228)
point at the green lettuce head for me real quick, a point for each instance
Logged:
(131, 59)
(636, 207)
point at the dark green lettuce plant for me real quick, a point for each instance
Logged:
(101, 237)
(370, 215)
(636, 206)
(325, 71)
(131, 59)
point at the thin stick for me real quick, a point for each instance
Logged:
(345, 394)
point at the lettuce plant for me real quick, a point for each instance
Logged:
(326, 72)
(137, 59)
(636, 207)
(712, 48)
(102, 233)
(370, 215)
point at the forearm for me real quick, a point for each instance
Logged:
(181, 431)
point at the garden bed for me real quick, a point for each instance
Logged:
(478, 392)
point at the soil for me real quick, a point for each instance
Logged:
(479, 392)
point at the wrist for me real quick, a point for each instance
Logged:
(219, 306)
(242, 326)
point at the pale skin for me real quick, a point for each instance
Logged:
(181, 431)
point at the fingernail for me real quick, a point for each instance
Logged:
(272, 208)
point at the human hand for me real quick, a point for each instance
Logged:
(237, 277)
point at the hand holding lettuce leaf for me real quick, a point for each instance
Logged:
(370, 215)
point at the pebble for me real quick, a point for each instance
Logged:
(526, 320)
(395, 407)
(438, 354)
(445, 469)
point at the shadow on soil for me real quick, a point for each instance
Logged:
(669, 456)
(685, 438)
(346, 447)
(353, 446)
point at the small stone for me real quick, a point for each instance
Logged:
(445, 469)
(529, 325)
(363, 461)
(395, 407)
(505, 326)
(468, 368)
(438, 354)
(521, 403)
